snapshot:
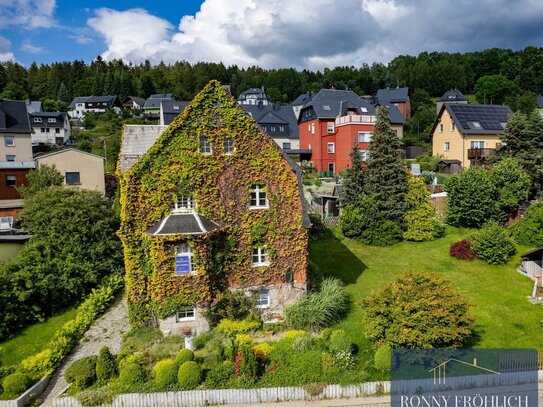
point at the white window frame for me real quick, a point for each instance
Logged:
(364, 136)
(364, 155)
(259, 195)
(331, 148)
(188, 252)
(8, 156)
(186, 313)
(231, 147)
(262, 256)
(11, 178)
(263, 299)
(447, 146)
(12, 138)
(330, 127)
(312, 128)
(184, 204)
(281, 128)
(37, 120)
(51, 120)
(205, 141)
(481, 144)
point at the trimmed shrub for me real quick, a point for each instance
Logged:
(165, 374)
(417, 310)
(317, 310)
(82, 372)
(16, 383)
(294, 333)
(493, 245)
(243, 339)
(131, 374)
(262, 348)
(184, 355)
(246, 363)
(189, 375)
(462, 250)
(233, 328)
(340, 342)
(218, 377)
(382, 357)
(106, 366)
(529, 231)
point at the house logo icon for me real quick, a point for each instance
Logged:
(440, 371)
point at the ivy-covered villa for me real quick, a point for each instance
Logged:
(209, 203)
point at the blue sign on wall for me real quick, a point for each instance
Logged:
(182, 264)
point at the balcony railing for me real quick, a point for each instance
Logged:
(355, 118)
(478, 153)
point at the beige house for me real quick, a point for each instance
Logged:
(468, 133)
(80, 169)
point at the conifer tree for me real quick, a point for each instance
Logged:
(385, 178)
(353, 181)
(421, 220)
(63, 93)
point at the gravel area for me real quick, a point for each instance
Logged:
(108, 330)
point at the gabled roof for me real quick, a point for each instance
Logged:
(453, 95)
(14, 116)
(138, 100)
(33, 106)
(45, 116)
(329, 103)
(154, 100)
(274, 114)
(110, 100)
(136, 140)
(392, 95)
(539, 102)
(260, 93)
(393, 113)
(183, 224)
(476, 119)
(173, 106)
(66, 150)
(302, 99)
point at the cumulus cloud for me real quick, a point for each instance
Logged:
(318, 33)
(29, 14)
(5, 50)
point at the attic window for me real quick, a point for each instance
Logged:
(175, 107)
(37, 119)
(364, 110)
(475, 125)
(326, 107)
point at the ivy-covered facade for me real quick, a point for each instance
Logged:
(212, 205)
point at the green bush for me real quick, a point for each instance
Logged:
(230, 305)
(246, 363)
(492, 244)
(5, 371)
(201, 340)
(184, 355)
(95, 397)
(16, 383)
(529, 231)
(382, 357)
(218, 376)
(340, 342)
(82, 372)
(165, 374)
(420, 219)
(131, 374)
(106, 366)
(189, 375)
(232, 328)
(417, 310)
(317, 310)
(302, 343)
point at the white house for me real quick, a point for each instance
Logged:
(49, 127)
(96, 104)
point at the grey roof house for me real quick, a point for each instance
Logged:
(398, 97)
(451, 96)
(170, 109)
(254, 96)
(96, 104)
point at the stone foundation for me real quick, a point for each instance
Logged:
(173, 325)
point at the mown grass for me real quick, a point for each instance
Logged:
(33, 339)
(504, 317)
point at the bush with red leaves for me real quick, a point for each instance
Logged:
(462, 250)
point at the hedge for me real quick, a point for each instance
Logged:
(63, 342)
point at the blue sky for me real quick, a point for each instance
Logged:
(310, 34)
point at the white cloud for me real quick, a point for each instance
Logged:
(29, 14)
(5, 50)
(27, 46)
(318, 33)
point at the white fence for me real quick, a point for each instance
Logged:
(235, 396)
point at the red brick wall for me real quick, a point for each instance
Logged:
(10, 192)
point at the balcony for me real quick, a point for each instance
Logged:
(480, 153)
(355, 118)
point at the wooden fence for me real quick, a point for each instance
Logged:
(439, 204)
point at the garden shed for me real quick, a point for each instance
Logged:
(449, 166)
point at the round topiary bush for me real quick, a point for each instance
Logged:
(218, 377)
(189, 375)
(165, 374)
(184, 355)
(493, 245)
(340, 342)
(131, 374)
(82, 372)
(16, 383)
(382, 357)
(106, 366)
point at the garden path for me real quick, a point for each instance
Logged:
(107, 331)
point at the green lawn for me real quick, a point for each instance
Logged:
(33, 339)
(503, 315)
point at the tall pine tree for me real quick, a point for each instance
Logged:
(353, 180)
(63, 93)
(385, 178)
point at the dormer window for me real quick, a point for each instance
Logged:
(184, 261)
(37, 119)
(258, 197)
(260, 256)
(205, 145)
(184, 204)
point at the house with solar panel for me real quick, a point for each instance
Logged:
(466, 135)
(209, 204)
